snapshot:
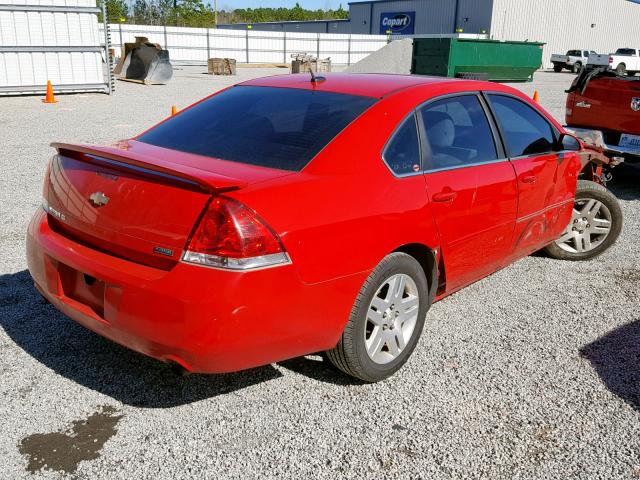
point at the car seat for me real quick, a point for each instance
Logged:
(441, 135)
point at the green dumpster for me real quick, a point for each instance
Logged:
(463, 57)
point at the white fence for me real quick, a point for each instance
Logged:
(248, 46)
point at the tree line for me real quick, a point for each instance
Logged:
(194, 13)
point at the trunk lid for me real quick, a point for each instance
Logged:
(137, 201)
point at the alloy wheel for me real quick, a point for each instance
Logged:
(391, 318)
(590, 225)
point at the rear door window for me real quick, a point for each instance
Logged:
(280, 128)
(402, 153)
(525, 131)
(457, 133)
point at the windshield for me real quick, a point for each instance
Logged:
(280, 128)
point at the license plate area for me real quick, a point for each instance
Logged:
(82, 288)
(627, 140)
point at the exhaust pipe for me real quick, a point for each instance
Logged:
(178, 369)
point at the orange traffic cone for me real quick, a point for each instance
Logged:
(173, 110)
(49, 98)
(536, 96)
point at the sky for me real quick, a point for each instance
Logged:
(309, 4)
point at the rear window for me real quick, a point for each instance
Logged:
(626, 51)
(280, 128)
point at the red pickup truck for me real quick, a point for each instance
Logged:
(604, 109)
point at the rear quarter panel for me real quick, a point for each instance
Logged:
(610, 109)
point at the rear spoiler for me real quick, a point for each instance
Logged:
(129, 160)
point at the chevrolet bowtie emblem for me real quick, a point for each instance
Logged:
(98, 199)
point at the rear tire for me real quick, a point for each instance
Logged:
(597, 217)
(621, 70)
(386, 320)
(576, 67)
(557, 67)
(483, 77)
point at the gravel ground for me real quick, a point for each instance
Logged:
(533, 372)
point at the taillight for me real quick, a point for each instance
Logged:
(610, 60)
(229, 235)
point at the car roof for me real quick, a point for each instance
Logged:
(365, 84)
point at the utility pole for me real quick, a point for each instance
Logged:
(215, 13)
(175, 12)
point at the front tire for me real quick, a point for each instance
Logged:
(595, 225)
(385, 322)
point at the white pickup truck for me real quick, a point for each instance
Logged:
(626, 61)
(573, 60)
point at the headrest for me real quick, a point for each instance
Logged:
(441, 130)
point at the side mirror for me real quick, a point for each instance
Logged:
(569, 142)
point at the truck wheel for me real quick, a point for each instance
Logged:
(621, 70)
(386, 320)
(557, 67)
(576, 67)
(595, 225)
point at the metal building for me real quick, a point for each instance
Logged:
(600, 25)
(401, 17)
(55, 40)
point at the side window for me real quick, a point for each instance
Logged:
(526, 132)
(402, 153)
(457, 133)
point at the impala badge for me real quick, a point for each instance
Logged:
(635, 104)
(98, 199)
(583, 105)
(163, 251)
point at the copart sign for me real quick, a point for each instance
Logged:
(400, 23)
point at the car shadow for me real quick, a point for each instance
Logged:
(626, 182)
(99, 364)
(616, 359)
(319, 368)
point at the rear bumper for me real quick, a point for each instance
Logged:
(206, 320)
(597, 138)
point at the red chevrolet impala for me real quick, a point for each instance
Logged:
(288, 215)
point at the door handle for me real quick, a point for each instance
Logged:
(445, 196)
(529, 179)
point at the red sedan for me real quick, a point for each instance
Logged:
(285, 216)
